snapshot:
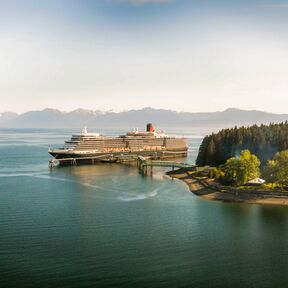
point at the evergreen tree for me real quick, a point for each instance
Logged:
(263, 141)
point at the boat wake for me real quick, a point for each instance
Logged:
(16, 175)
(142, 196)
(67, 180)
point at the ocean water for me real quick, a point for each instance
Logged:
(108, 226)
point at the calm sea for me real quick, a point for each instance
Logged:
(108, 226)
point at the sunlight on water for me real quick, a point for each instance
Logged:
(108, 226)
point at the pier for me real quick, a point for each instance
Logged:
(107, 158)
(79, 160)
(144, 164)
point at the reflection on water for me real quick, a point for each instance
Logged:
(273, 216)
(108, 226)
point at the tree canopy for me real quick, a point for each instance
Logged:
(239, 171)
(263, 141)
(276, 170)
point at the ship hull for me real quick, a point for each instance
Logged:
(72, 158)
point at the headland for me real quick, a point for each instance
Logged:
(210, 189)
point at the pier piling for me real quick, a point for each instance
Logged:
(144, 164)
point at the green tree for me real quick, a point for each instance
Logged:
(276, 170)
(216, 173)
(262, 141)
(211, 152)
(249, 166)
(231, 169)
(239, 171)
(269, 171)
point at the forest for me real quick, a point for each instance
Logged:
(263, 141)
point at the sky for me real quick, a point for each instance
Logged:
(184, 55)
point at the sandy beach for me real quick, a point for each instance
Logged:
(210, 190)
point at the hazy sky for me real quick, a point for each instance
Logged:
(185, 55)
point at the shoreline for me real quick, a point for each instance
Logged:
(209, 190)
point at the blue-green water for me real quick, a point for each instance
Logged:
(108, 226)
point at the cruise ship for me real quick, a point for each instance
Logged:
(86, 147)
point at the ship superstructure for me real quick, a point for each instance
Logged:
(99, 147)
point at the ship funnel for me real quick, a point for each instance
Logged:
(150, 128)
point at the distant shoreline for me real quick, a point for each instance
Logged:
(53, 118)
(209, 190)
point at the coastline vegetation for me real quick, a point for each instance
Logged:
(226, 172)
(238, 171)
(239, 155)
(276, 170)
(263, 141)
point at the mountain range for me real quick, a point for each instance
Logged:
(52, 118)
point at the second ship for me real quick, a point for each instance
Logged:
(86, 147)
